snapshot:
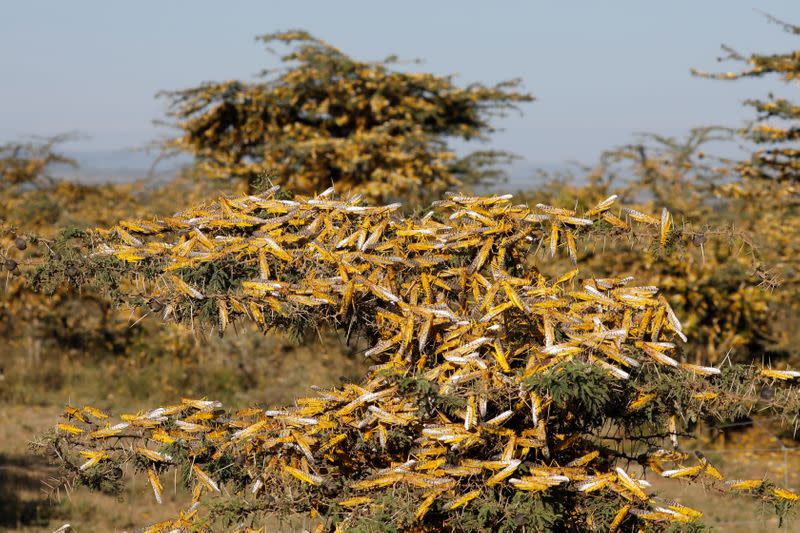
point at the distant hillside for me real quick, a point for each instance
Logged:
(119, 166)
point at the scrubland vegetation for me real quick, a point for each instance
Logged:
(612, 350)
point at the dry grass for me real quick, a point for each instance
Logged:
(724, 513)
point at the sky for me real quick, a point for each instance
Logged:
(600, 71)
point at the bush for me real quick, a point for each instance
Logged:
(328, 118)
(500, 399)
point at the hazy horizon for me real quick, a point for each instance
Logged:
(600, 73)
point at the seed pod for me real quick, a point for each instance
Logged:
(20, 243)
(11, 265)
(71, 271)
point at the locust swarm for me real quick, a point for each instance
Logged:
(501, 398)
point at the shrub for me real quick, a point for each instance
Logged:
(328, 118)
(501, 398)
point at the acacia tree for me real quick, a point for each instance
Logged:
(501, 398)
(328, 118)
(766, 193)
(726, 293)
(777, 121)
(737, 302)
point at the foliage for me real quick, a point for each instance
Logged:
(782, 162)
(34, 204)
(328, 118)
(725, 316)
(767, 189)
(724, 291)
(501, 397)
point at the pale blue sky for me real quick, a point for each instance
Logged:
(600, 70)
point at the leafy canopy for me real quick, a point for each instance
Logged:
(328, 118)
(777, 122)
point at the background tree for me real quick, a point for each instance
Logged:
(38, 211)
(777, 122)
(766, 194)
(327, 118)
(721, 288)
(737, 302)
(31, 162)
